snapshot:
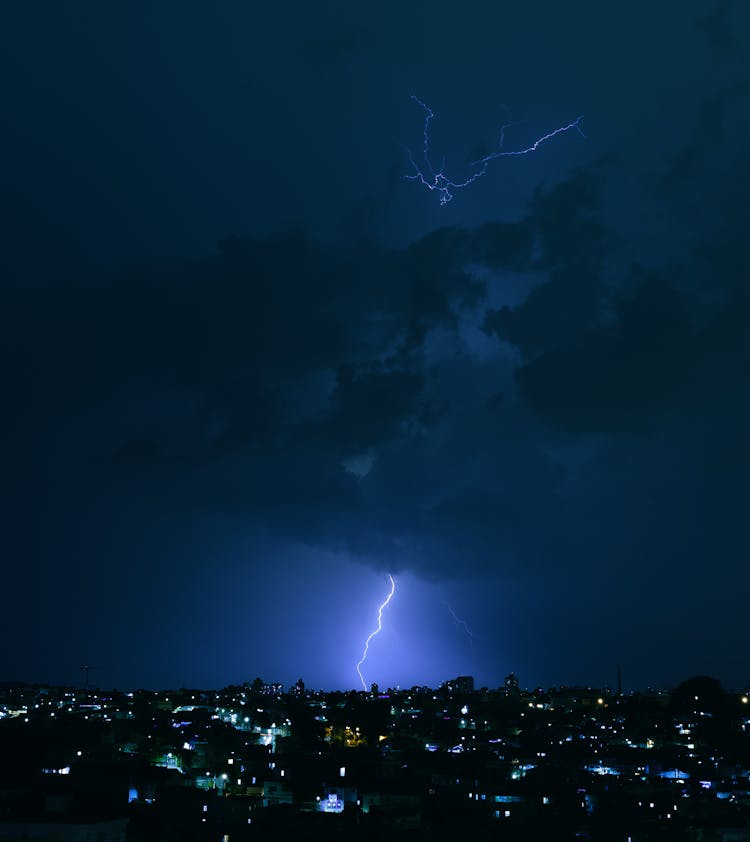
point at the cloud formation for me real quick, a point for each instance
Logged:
(374, 401)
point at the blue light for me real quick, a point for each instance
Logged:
(332, 804)
(439, 181)
(377, 631)
(461, 623)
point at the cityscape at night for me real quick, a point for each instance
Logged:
(374, 345)
(261, 761)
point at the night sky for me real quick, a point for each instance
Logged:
(249, 369)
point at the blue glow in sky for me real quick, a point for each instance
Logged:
(248, 367)
(435, 178)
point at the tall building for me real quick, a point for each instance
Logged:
(462, 684)
(511, 683)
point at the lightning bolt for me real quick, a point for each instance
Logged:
(459, 622)
(377, 630)
(439, 181)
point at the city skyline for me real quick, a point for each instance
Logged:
(250, 761)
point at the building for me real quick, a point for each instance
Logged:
(462, 684)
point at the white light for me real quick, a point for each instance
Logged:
(342, 771)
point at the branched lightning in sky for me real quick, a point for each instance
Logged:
(432, 179)
(462, 623)
(377, 630)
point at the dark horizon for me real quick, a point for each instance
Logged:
(288, 688)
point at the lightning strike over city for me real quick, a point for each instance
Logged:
(376, 631)
(256, 357)
(437, 180)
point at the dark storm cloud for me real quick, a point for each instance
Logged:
(334, 51)
(279, 377)
(570, 242)
(373, 403)
(720, 121)
(719, 25)
(337, 397)
(605, 377)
